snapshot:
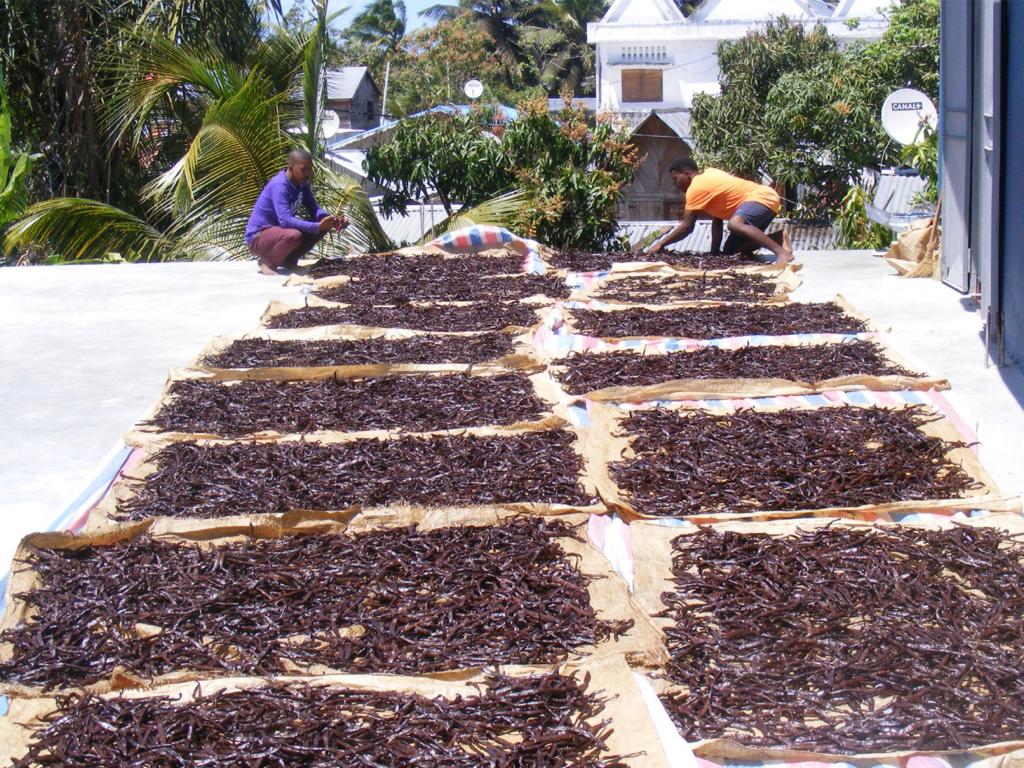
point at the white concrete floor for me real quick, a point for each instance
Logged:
(86, 349)
(942, 330)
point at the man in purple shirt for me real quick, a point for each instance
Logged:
(275, 234)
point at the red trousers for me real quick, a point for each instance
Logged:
(279, 247)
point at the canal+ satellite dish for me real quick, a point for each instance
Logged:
(906, 113)
(330, 123)
(473, 88)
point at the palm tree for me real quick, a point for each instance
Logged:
(381, 23)
(235, 127)
(502, 20)
(573, 61)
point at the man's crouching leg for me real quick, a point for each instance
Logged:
(273, 246)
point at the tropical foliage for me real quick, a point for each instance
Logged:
(234, 124)
(797, 109)
(14, 168)
(570, 174)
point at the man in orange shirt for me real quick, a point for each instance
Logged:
(747, 206)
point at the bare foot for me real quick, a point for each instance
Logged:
(267, 270)
(787, 242)
(784, 258)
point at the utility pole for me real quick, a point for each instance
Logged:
(384, 104)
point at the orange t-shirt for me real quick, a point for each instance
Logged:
(719, 194)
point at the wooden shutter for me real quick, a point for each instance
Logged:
(641, 85)
(651, 85)
(632, 85)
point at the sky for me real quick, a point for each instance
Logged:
(412, 10)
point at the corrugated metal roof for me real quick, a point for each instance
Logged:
(376, 136)
(896, 195)
(410, 227)
(805, 236)
(343, 82)
(678, 121)
(588, 103)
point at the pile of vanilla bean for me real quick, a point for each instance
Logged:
(655, 289)
(194, 480)
(848, 640)
(397, 600)
(689, 462)
(430, 266)
(584, 373)
(425, 349)
(718, 322)
(479, 316)
(389, 289)
(413, 402)
(587, 261)
(544, 721)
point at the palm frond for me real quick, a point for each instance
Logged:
(78, 229)
(148, 70)
(500, 211)
(443, 12)
(343, 194)
(237, 149)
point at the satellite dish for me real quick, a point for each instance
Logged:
(906, 113)
(473, 88)
(330, 123)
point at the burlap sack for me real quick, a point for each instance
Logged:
(915, 252)
(607, 443)
(652, 556)
(609, 598)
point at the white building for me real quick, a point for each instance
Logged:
(651, 57)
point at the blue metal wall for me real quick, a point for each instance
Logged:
(1011, 257)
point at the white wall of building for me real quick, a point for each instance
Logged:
(653, 34)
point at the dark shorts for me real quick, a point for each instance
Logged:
(754, 214)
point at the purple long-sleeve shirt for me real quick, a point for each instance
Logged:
(276, 207)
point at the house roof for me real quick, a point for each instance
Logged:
(744, 10)
(376, 136)
(861, 9)
(342, 83)
(677, 120)
(642, 12)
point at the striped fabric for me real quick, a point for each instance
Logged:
(484, 237)
(72, 518)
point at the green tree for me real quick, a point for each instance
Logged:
(432, 64)
(14, 168)
(797, 109)
(569, 175)
(54, 54)
(449, 156)
(571, 68)
(198, 207)
(502, 20)
(381, 23)
(731, 128)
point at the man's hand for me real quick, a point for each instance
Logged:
(337, 223)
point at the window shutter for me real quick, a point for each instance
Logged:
(641, 85)
(632, 85)
(651, 85)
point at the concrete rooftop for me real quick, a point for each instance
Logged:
(86, 350)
